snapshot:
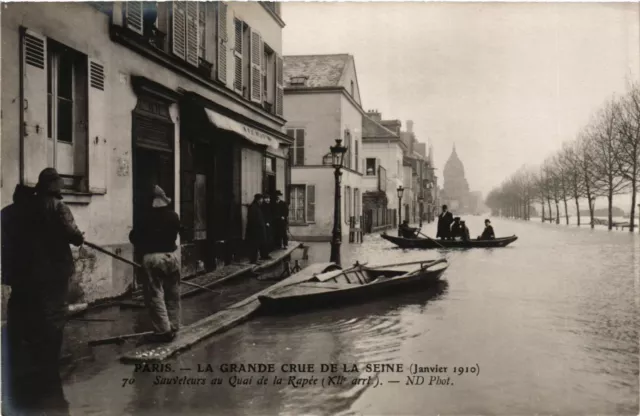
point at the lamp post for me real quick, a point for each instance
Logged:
(421, 202)
(429, 201)
(337, 158)
(400, 192)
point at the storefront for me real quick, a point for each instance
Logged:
(224, 163)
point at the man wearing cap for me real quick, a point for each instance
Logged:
(444, 223)
(256, 233)
(281, 214)
(36, 310)
(155, 237)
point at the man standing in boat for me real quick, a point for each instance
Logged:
(281, 220)
(156, 238)
(488, 233)
(445, 219)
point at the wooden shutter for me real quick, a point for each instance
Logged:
(222, 41)
(210, 33)
(311, 203)
(34, 130)
(255, 76)
(299, 146)
(179, 29)
(279, 86)
(98, 147)
(238, 47)
(193, 33)
(133, 16)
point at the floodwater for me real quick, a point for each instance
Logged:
(549, 325)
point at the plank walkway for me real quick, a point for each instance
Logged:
(220, 275)
(216, 323)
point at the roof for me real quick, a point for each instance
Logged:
(319, 70)
(373, 129)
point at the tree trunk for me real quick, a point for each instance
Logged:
(592, 208)
(633, 205)
(550, 212)
(566, 211)
(557, 212)
(578, 211)
(542, 211)
(610, 208)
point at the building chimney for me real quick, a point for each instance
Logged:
(375, 115)
(409, 126)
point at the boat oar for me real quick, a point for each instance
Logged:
(382, 266)
(115, 256)
(431, 239)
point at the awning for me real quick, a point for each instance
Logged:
(249, 133)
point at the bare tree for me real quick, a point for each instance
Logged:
(569, 160)
(606, 149)
(629, 149)
(585, 160)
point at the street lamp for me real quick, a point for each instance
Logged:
(400, 192)
(337, 158)
(429, 201)
(421, 201)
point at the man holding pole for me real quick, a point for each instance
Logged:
(37, 307)
(155, 237)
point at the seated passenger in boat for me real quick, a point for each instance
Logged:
(406, 231)
(456, 229)
(487, 234)
(464, 231)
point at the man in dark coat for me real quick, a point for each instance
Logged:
(444, 224)
(464, 231)
(488, 233)
(456, 228)
(13, 243)
(155, 238)
(256, 233)
(406, 231)
(36, 310)
(281, 221)
(267, 215)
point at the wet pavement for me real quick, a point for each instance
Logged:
(549, 324)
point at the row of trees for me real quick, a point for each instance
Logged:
(603, 161)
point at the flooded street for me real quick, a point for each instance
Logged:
(550, 322)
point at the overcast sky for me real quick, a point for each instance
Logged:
(507, 82)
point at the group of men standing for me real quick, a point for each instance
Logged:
(267, 223)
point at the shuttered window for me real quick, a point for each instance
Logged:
(133, 13)
(297, 196)
(185, 31)
(222, 41)
(64, 94)
(357, 156)
(297, 151)
(311, 203)
(255, 75)
(238, 54)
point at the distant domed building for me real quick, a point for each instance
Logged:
(455, 187)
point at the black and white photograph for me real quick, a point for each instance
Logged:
(320, 208)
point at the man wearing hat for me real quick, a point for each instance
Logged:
(464, 231)
(155, 237)
(256, 233)
(488, 233)
(281, 214)
(444, 223)
(37, 307)
(456, 228)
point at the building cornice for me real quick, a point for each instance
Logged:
(325, 90)
(273, 14)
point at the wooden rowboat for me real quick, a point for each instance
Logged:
(354, 285)
(428, 243)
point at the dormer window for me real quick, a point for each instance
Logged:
(298, 80)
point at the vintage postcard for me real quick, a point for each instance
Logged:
(320, 208)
